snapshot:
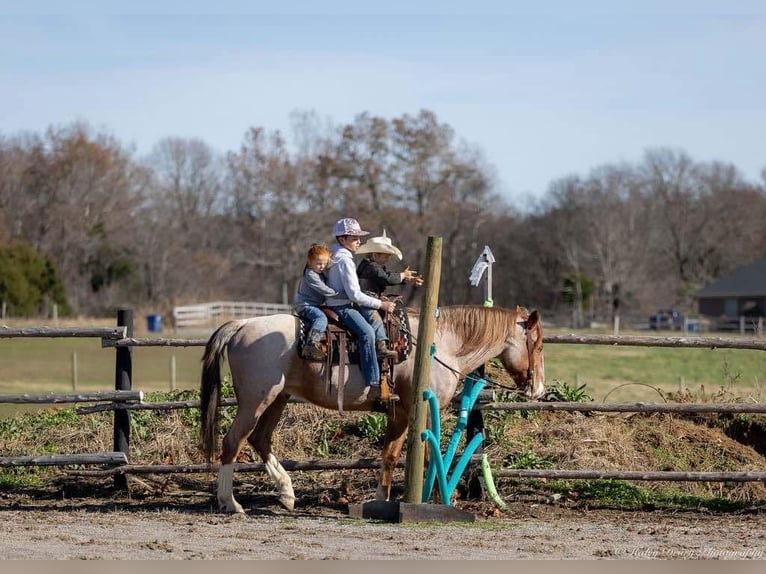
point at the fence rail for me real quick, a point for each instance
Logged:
(206, 315)
(105, 458)
(52, 398)
(106, 333)
(673, 476)
(629, 407)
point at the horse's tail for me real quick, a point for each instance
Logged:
(210, 386)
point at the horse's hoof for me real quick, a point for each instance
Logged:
(232, 508)
(287, 501)
(382, 493)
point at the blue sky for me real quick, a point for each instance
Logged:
(545, 90)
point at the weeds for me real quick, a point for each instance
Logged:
(372, 426)
(564, 392)
(526, 460)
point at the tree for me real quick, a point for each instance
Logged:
(29, 282)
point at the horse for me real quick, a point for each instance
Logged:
(266, 371)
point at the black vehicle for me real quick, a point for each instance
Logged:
(666, 319)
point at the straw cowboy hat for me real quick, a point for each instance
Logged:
(380, 244)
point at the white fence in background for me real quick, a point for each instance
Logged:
(210, 315)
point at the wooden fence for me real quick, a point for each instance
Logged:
(124, 400)
(210, 315)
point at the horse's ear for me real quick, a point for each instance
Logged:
(533, 320)
(518, 310)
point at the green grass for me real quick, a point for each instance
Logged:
(42, 365)
(603, 368)
(628, 496)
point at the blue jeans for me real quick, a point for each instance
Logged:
(365, 334)
(373, 318)
(315, 316)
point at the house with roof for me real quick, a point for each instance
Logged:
(739, 296)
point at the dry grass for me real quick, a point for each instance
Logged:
(562, 440)
(657, 442)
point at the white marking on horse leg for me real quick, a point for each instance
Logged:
(383, 492)
(282, 481)
(226, 500)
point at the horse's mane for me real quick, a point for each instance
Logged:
(478, 326)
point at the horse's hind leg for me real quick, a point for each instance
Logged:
(243, 425)
(260, 439)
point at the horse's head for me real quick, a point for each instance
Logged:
(523, 356)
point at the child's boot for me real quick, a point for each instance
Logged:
(383, 352)
(311, 350)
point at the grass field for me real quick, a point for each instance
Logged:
(622, 374)
(42, 365)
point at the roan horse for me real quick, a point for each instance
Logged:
(266, 371)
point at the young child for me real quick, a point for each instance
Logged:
(372, 272)
(312, 292)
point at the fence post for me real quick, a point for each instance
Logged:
(172, 372)
(123, 375)
(74, 371)
(413, 470)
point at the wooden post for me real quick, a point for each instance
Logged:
(74, 371)
(413, 469)
(123, 375)
(172, 372)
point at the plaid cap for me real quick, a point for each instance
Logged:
(348, 226)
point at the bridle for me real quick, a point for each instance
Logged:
(530, 356)
(530, 344)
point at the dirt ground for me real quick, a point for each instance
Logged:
(184, 525)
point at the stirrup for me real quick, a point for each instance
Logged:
(386, 395)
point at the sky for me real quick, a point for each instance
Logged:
(544, 89)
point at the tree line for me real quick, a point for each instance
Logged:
(188, 224)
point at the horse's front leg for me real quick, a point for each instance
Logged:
(260, 439)
(396, 429)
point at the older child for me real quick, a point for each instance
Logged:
(341, 277)
(312, 292)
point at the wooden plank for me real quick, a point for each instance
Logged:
(745, 476)
(158, 342)
(395, 511)
(385, 510)
(486, 395)
(110, 458)
(102, 332)
(629, 407)
(50, 398)
(411, 512)
(642, 341)
(290, 465)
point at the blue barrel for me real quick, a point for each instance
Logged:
(154, 323)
